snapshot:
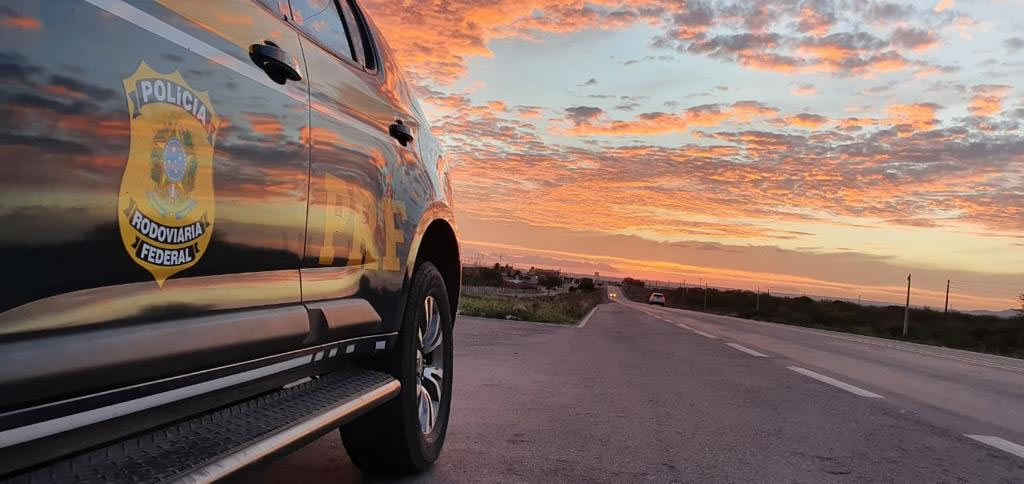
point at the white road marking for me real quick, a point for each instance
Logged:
(587, 317)
(1001, 444)
(705, 334)
(747, 350)
(836, 383)
(681, 325)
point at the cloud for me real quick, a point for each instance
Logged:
(816, 18)
(529, 112)
(647, 58)
(803, 120)
(888, 13)
(583, 114)
(590, 121)
(914, 39)
(916, 117)
(693, 21)
(927, 70)
(803, 90)
(987, 99)
(589, 82)
(1014, 44)
(944, 5)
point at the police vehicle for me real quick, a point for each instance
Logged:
(226, 230)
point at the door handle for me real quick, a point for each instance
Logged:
(401, 132)
(275, 61)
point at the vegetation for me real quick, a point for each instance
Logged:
(549, 282)
(629, 281)
(482, 276)
(566, 308)
(989, 334)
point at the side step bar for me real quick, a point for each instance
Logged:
(215, 445)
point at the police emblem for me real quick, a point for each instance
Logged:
(166, 203)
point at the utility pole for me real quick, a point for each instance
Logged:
(757, 300)
(858, 299)
(906, 310)
(705, 295)
(946, 312)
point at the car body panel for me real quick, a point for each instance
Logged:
(300, 229)
(76, 109)
(369, 195)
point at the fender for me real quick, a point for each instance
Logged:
(434, 212)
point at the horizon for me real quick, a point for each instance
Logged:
(816, 146)
(674, 284)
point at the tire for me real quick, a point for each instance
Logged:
(390, 440)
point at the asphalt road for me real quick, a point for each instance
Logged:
(645, 393)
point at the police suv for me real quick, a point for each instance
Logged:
(226, 230)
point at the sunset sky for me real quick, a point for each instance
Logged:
(827, 147)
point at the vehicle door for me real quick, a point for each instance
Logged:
(151, 173)
(356, 240)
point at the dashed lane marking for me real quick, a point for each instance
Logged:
(836, 383)
(747, 350)
(706, 335)
(1001, 444)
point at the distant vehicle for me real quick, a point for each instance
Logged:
(656, 298)
(248, 242)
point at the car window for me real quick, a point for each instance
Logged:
(321, 20)
(363, 42)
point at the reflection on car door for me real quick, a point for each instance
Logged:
(151, 173)
(355, 242)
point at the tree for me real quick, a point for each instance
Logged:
(586, 284)
(481, 276)
(550, 282)
(629, 281)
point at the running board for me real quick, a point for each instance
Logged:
(215, 445)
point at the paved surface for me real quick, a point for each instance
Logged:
(650, 394)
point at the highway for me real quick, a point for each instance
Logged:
(666, 395)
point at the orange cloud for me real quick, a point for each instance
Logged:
(803, 120)
(944, 5)
(856, 124)
(918, 117)
(987, 99)
(529, 112)
(814, 22)
(803, 90)
(649, 124)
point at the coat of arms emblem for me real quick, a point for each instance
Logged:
(166, 204)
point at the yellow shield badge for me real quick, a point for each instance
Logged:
(166, 203)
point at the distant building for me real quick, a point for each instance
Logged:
(545, 272)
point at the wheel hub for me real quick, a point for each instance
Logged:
(429, 365)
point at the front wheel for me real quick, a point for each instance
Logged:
(406, 434)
